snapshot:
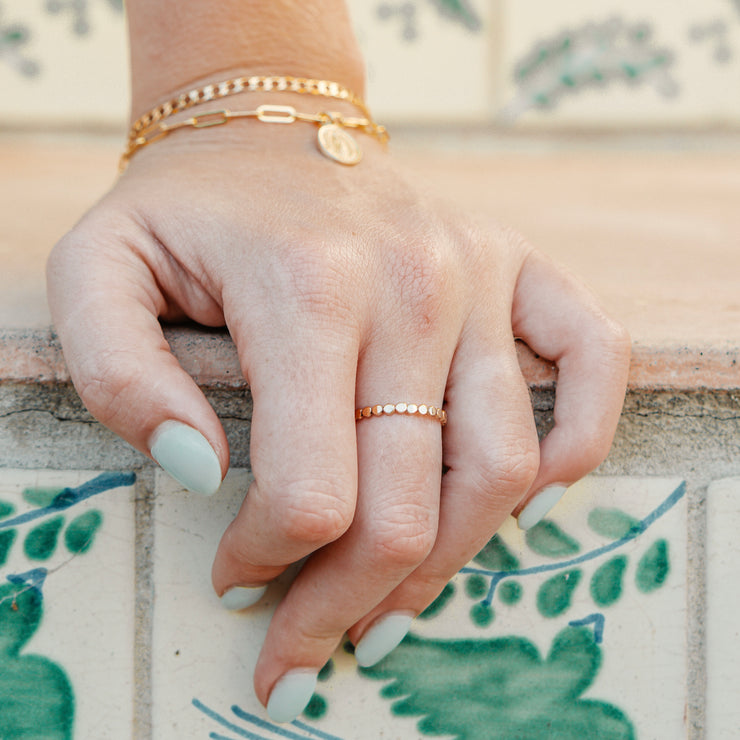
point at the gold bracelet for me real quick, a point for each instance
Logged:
(140, 133)
(333, 141)
(256, 83)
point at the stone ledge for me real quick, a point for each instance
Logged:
(209, 356)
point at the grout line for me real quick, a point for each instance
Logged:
(696, 591)
(496, 52)
(144, 603)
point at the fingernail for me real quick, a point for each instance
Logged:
(291, 694)
(539, 506)
(385, 635)
(240, 597)
(186, 455)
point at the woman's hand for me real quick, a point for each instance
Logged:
(342, 287)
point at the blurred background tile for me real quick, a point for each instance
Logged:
(63, 63)
(429, 61)
(610, 64)
(525, 63)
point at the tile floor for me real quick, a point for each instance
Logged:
(66, 605)
(576, 622)
(723, 629)
(571, 626)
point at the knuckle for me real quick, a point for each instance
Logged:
(613, 339)
(420, 275)
(314, 281)
(511, 470)
(618, 341)
(406, 537)
(105, 382)
(593, 448)
(314, 514)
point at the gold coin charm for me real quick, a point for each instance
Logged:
(337, 144)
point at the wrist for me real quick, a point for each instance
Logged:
(180, 44)
(279, 101)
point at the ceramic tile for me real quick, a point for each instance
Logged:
(63, 62)
(626, 63)
(575, 623)
(427, 61)
(605, 63)
(722, 605)
(66, 604)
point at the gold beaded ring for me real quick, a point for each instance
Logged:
(435, 412)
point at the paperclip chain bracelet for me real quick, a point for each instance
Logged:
(149, 128)
(333, 141)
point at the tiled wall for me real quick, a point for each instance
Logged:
(575, 629)
(522, 63)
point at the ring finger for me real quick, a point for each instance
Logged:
(491, 453)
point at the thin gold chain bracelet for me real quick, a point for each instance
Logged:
(149, 128)
(333, 141)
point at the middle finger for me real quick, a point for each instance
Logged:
(395, 523)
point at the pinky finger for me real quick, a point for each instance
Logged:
(563, 322)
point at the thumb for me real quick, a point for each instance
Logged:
(105, 303)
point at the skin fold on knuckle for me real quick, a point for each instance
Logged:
(507, 474)
(616, 344)
(589, 448)
(314, 278)
(312, 513)
(107, 386)
(404, 537)
(418, 283)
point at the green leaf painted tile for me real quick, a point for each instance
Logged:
(7, 538)
(316, 707)
(80, 534)
(6, 509)
(481, 615)
(41, 497)
(439, 603)
(41, 541)
(555, 594)
(36, 697)
(607, 581)
(476, 586)
(502, 687)
(653, 568)
(461, 11)
(510, 592)
(612, 523)
(496, 556)
(548, 539)
(327, 671)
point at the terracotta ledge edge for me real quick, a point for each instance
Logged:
(35, 356)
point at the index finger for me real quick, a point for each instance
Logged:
(105, 303)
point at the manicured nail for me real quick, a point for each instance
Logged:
(539, 506)
(291, 694)
(186, 455)
(240, 597)
(384, 635)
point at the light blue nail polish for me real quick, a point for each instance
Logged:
(385, 634)
(242, 597)
(186, 455)
(291, 694)
(540, 506)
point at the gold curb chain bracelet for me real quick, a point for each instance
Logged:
(333, 140)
